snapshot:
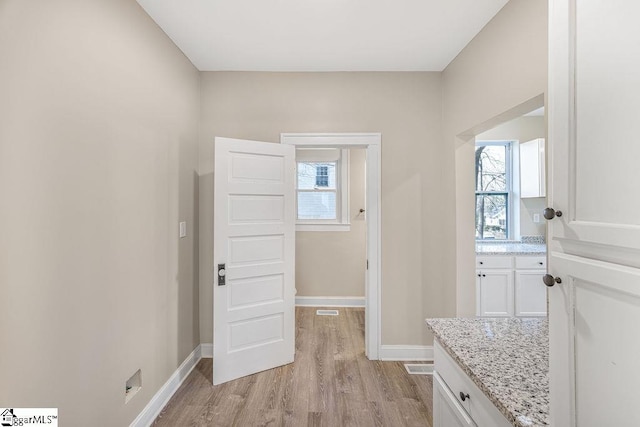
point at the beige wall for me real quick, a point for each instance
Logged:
(332, 263)
(98, 154)
(405, 108)
(500, 75)
(522, 129)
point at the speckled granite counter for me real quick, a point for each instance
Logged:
(510, 248)
(507, 358)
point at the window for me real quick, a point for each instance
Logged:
(322, 188)
(317, 191)
(322, 175)
(493, 190)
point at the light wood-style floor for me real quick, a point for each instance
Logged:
(331, 383)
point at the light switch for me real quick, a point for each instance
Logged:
(183, 229)
(536, 218)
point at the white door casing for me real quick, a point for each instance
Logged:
(254, 236)
(593, 105)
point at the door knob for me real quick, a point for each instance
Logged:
(464, 396)
(549, 213)
(549, 280)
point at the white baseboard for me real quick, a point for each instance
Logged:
(330, 301)
(162, 397)
(418, 353)
(206, 350)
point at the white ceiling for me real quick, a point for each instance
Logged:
(321, 35)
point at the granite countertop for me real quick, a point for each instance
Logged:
(507, 358)
(510, 248)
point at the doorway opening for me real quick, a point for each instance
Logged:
(331, 233)
(345, 143)
(503, 161)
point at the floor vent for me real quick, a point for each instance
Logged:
(419, 368)
(327, 312)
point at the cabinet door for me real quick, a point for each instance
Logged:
(603, 317)
(494, 291)
(530, 294)
(532, 170)
(594, 110)
(447, 411)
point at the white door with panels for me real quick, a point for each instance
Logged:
(254, 254)
(594, 213)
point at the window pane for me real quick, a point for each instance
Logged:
(491, 172)
(316, 205)
(322, 176)
(491, 216)
(316, 175)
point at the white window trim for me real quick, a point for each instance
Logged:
(343, 222)
(513, 222)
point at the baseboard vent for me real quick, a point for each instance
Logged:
(419, 368)
(327, 312)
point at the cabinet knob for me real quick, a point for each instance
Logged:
(484, 275)
(480, 262)
(541, 263)
(549, 280)
(549, 213)
(464, 396)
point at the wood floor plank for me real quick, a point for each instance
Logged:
(331, 383)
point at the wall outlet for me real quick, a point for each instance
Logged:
(536, 218)
(183, 229)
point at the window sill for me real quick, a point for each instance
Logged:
(323, 227)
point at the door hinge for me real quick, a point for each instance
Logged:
(367, 264)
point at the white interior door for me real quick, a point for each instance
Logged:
(594, 108)
(254, 237)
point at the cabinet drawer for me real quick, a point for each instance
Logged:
(494, 262)
(527, 262)
(447, 411)
(477, 405)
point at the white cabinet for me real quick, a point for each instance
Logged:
(502, 290)
(447, 411)
(532, 169)
(530, 294)
(594, 312)
(494, 293)
(450, 386)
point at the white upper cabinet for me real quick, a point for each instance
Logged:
(594, 110)
(532, 169)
